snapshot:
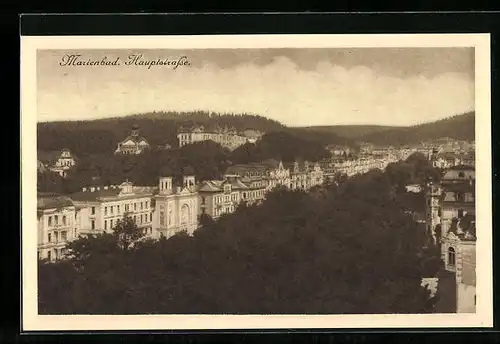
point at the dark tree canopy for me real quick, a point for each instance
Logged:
(349, 248)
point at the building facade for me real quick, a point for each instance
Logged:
(227, 137)
(56, 225)
(451, 209)
(59, 162)
(98, 208)
(176, 207)
(133, 144)
(219, 197)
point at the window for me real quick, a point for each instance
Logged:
(56, 220)
(135, 206)
(105, 211)
(49, 237)
(50, 220)
(93, 211)
(451, 256)
(151, 217)
(49, 255)
(56, 236)
(64, 220)
(126, 208)
(111, 209)
(39, 256)
(461, 175)
(162, 218)
(92, 224)
(118, 209)
(105, 224)
(142, 205)
(111, 223)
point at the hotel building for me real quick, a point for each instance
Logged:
(56, 225)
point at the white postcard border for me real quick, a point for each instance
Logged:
(31, 321)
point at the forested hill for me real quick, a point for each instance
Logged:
(459, 127)
(348, 131)
(159, 128)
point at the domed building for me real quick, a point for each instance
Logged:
(133, 144)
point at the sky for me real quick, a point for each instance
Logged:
(297, 87)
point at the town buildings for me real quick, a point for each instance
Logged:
(56, 225)
(98, 208)
(227, 137)
(133, 144)
(451, 218)
(176, 207)
(218, 197)
(59, 162)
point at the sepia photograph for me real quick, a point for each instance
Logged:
(303, 176)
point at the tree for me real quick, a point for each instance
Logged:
(351, 251)
(127, 233)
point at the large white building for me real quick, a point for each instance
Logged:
(226, 137)
(176, 207)
(98, 208)
(133, 144)
(56, 225)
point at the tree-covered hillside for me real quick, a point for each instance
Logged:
(459, 127)
(159, 128)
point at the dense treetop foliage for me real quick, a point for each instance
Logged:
(344, 247)
(207, 159)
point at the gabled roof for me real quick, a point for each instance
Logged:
(134, 139)
(211, 186)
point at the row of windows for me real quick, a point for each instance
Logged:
(55, 236)
(56, 254)
(138, 219)
(128, 207)
(55, 220)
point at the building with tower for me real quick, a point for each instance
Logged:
(451, 212)
(133, 144)
(176, 207)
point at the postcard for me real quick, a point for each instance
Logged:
(256, 182)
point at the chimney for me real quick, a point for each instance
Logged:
(92, 189)
(84, 189)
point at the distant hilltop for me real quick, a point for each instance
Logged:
(161, 129)
(458, 127)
